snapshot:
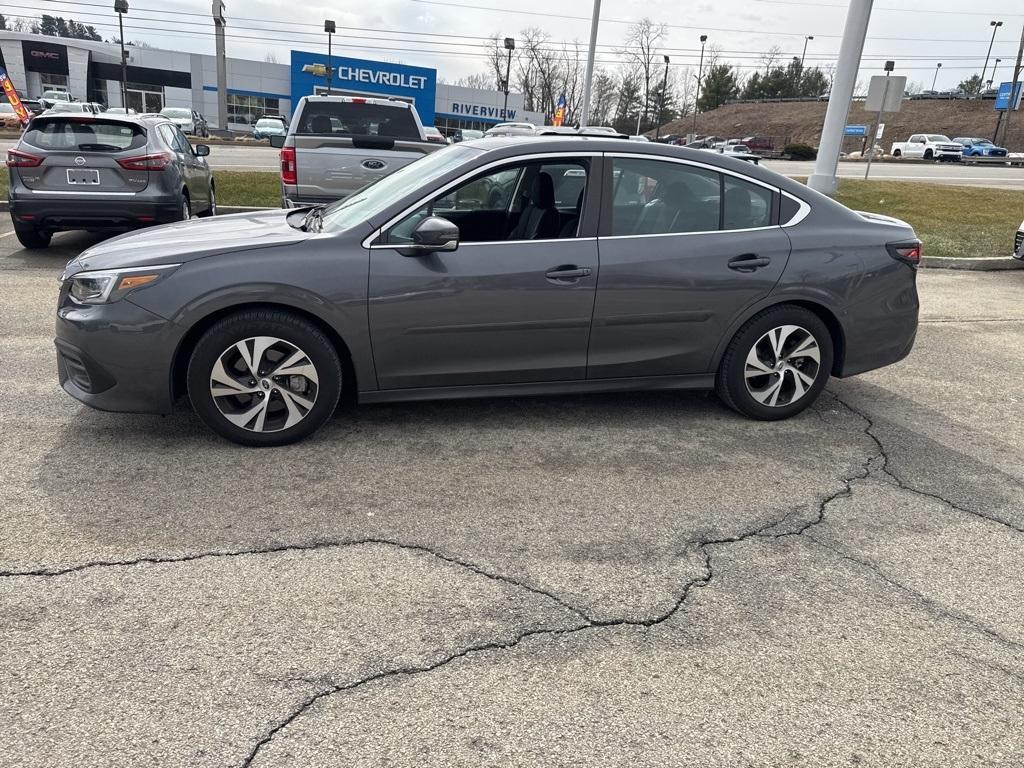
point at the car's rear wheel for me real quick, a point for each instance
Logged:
(777, 364)
(30, 237)
(928, 155)
(264, 378)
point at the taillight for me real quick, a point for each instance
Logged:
(18, 159)
(908, 253)
(289, 174)
(155, 162)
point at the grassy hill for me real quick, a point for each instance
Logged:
(801, 121)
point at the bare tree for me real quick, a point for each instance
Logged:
(603, 97)
(481, 80)
(497, 60)
(270, 57)
(769, 57)
(642, 42)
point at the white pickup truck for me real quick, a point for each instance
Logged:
(929, 146)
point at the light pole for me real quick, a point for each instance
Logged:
(588, 78)
(995, 66)
(802, 55)
(330, 29)
(700, 75)
(664, 96)
(121, 7)
(510, 45)
(995, 28)
(936, 76)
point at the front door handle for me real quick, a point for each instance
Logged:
(748, 262)
(568, 272)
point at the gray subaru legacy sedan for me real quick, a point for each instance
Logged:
(104, 172)
(510, 266)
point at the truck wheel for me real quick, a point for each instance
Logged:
(896, 153)
(30, 237)
(928, 155)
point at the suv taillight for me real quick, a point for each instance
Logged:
(289, 174)
(909, 253)
(18, 159)
(154, 162)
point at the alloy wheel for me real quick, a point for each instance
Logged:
(264, 384)
(782, 366)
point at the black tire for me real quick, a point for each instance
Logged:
(928, 155)
(211, 209)
(30, 237)
(731, 381)
(896, 153)
(184, 208)
(289, 329)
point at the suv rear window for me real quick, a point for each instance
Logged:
(348, 118)
(91, 136)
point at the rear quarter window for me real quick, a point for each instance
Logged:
(346, 118)
(79, 136)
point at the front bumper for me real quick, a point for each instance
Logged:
(115, 357)
(60, 212)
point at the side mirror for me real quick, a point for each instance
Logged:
(202, 150)
(433, 234)
(277, 141)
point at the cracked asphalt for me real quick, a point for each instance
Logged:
(615, 580)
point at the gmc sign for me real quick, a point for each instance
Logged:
(45, 57)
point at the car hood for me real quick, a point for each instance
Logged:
(190, 240)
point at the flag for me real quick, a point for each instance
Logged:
(12, 96)
(559, 117)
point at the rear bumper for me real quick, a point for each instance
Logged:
(61, 212)
(881, 330)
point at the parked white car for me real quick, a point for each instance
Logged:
(928, 146)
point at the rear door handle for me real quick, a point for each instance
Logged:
(748, 262)
(568, 272)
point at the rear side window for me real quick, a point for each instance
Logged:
(653, 197)
(91, 136)
(353, 118)
(746, 205)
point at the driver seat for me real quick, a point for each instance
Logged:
(539, 219)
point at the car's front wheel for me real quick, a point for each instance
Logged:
(211, 209)
(264, 378)
(777, 363)
(30, 237)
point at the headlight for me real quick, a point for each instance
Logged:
(109, 285)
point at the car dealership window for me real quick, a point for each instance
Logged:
(651, 197)
(248, 109)
(528, 201)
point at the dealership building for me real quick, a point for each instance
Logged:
(91, 71)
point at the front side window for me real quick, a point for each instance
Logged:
(526, 201)
(653, 197)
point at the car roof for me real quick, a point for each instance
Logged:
(324, 98)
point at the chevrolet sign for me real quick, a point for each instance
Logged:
(375, 77)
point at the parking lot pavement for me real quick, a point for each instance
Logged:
(634, 579)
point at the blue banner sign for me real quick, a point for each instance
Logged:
(855, 130)
(1003, 96)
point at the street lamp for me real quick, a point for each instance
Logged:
(995, 27)
(802, 55)
(936, 77)
(330, 29)
(664, 96)
(995, 66)
(510, 45)
(121, 8)
(700, 75)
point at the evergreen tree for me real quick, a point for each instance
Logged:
(720, 84)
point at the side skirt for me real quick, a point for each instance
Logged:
(645, 383)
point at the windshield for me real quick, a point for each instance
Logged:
(267, 123)
(370, 201)
(938, 137)
(179, 113)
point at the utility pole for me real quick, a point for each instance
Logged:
(664, 97)
(121, 6)
(857, 18)
(219, 22)
(995, 28)
(802, 55)
(700, 75)
(510, 45)
(1013, 87)
(588, 80)
(329, 27)
(936, 76)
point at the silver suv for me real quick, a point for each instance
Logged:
(338, 144)
(105, 172)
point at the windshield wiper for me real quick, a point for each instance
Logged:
(314, 217)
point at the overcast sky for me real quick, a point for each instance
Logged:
(937, 31)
